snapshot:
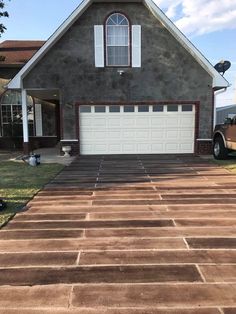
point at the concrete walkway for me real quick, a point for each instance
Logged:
(125, 235)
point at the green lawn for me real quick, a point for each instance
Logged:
(19, 182)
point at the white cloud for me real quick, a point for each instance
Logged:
(197, 17)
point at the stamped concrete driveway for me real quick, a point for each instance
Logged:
(125, 234)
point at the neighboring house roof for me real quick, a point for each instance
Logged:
(18, 52)
(225, 107)
(218, 80)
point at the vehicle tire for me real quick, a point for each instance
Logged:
(220, 152)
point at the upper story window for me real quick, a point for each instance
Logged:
(117, 40)
(117, 43)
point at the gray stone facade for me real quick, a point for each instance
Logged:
(168, 71)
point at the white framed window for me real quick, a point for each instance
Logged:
(117, 40)
(11, 115)
(117, 43)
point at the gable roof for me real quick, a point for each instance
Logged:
(218, 80)
(18, 52)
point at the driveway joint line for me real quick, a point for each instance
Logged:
(186, 243)
(70, 297)
(78, 258)
(200, 272)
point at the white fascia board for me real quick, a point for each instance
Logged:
(16, 82)
(218, 79)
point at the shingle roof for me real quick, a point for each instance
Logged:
(18, 52)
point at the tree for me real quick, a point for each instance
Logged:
(3, 13)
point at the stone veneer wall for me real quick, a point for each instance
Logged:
(168, 71)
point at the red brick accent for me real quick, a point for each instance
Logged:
(204, 147)
(26, 148)
(16, 143)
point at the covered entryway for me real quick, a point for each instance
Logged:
(141, 129)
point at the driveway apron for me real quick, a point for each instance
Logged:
(122, 235)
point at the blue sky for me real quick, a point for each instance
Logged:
(209, 24)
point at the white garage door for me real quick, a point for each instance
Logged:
(139, 129)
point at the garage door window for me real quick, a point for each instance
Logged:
(100, 109)
(85, 109)
(114, 109)
(143, 108)
(128, 108)
(186, 108)
(172, 108)
(158, 108)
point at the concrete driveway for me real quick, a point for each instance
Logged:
(124, 235)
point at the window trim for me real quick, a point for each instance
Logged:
(129, 41)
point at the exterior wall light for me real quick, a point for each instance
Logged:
(121, 72)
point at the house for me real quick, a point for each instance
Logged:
(125, 80)
(225, 112)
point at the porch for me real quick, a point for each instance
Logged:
(29, 119)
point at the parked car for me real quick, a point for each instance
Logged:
(224, 138)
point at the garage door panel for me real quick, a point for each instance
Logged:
(114, 148)
(173, 135)
(128, 122)
(100, 135)
(100, 148)
(186, 147)
(157, 147)
(87, 136)
(99, 122)
(142, 135)
(172, 122)
(128, 135)
(172, 147)
(157, 122)
(142, 122)
(86, 149)
(187, 134)
(137, 132)
(114, 135)
(187, 121)
(114, 122)
(86, 122)
(129, 148)
(155, 135)
(143, 147)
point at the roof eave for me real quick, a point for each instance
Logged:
(220, 82)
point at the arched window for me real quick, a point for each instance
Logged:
(117, 40)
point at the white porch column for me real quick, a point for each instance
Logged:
(25, 121)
